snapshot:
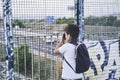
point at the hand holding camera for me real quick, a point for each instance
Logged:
(63, 38)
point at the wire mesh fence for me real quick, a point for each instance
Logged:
(40, 56)
(38, 26)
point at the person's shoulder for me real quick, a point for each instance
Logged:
(69, 44)
(66, 44)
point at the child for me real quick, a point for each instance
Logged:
(67, 49)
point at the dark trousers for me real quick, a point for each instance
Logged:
(72, 79)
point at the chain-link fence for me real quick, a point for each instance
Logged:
(38, 26)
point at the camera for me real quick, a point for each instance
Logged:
(63, 38)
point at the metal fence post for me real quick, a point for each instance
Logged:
(7, 15)
(79, 14)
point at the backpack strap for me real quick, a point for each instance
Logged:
(69, 64)
(77, 45)
(75, 57)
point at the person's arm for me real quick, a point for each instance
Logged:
(56, 51)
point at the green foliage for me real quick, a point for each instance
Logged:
(23, 55)
(2, 56)
(1, 19)
(101, 21)
(65, 21)
(111, 20)
(117, 23)
(23, 58)
(91, 20)
(42, 20)
(18, 23)
(2, 48)
(45, 69)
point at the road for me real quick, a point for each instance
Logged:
(37, 45)
(34, 39)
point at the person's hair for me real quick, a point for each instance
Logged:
(73, 30)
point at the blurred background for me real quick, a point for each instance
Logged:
(38, 26)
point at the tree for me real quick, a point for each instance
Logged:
(23, 56)
(111, 20)
(2, 48)
(100, 21)
(65, 20)
(91, 20)
(18, 23)
(117, 23)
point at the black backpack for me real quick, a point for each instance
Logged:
(82, 59)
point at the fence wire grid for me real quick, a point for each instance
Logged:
(38, 26)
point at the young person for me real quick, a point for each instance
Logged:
(67, 49)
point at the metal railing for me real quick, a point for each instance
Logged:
(35, 60)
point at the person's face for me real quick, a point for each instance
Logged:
(68, 37)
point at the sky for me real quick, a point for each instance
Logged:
(39, 9)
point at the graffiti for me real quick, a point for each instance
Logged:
(106, 52)
(104, 58)
(112, 75)
(93, 67)
(98, 57)
(7, 14)
(79, 14)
